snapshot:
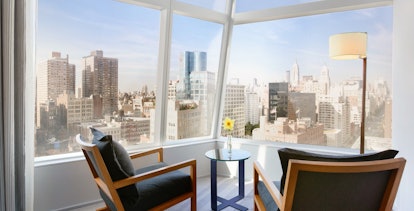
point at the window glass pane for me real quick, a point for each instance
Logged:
(96, 66)
(250, 5)
(217, 5)
(293, 91)
(192, 86)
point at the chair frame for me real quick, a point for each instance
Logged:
(109, 187)
(285, 201)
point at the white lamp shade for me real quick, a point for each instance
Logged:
(348, 45)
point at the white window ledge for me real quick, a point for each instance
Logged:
(77, 156)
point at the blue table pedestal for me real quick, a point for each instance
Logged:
(226, 202)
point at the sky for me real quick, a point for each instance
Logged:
(273, 47)
(261, 50)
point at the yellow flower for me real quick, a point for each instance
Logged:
(228, 124)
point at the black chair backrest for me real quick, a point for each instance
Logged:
(364, 186)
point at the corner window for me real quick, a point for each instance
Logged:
(283, 87)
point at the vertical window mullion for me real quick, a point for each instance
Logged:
(223, 67)
(163, 74)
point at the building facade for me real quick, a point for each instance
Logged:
(302, 105)
(183, 119)
(278, 100)
(336, 115)
(252, 108)
(294, 75)
(285, 130)
(76, 110)
(234, 108)
(100, 77)
(190, 61)
(203, 89)
(54, 77)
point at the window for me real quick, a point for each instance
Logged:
(96, 66)
(194, 66)
(293, 92)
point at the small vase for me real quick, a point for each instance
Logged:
(229, 144)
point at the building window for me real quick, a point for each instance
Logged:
(194, 66)
(293, 92)
(101, 56)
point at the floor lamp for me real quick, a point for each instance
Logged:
(352, 46)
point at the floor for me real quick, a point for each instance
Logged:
(226, 188)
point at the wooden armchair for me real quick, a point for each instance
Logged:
(155, 187)
(322, 185)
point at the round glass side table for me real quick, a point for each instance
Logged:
(225, 155)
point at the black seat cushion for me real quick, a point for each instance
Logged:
(156, 190)
(285, 154)
(162, 188)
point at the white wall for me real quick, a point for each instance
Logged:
(403, 96)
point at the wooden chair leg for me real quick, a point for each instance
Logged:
(255, 207)
(103, 209)
(194, 203)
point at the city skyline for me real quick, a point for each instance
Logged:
(78, 30)
(291, 110)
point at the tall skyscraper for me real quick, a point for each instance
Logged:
(252, 112)
(352, 91)
(295, 77)
(324, 81)
(100, 77)
(55, 76)
(234, 108)
(302, 105)
(278, 100)
(288, 76)
(253, 104)
(203, 89)
(172, 89)
(191, 61)
(335, 114)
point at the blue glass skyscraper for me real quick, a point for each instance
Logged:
(191, 61)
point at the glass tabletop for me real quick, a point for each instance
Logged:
(225, 155)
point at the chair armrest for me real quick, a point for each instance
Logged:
(259, 172)
(158, 150)
(139, 177)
